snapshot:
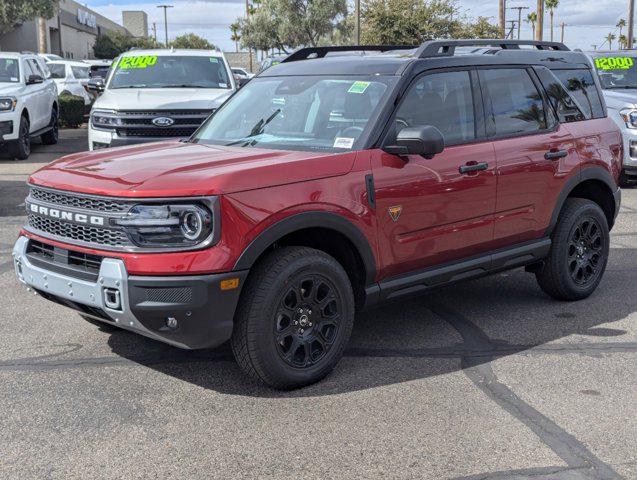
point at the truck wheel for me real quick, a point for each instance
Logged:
(579, 253)
(21, 148)
(51, 137)
(294, 319)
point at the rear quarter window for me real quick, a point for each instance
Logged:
(581, 85)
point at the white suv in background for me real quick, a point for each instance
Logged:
(71, 78)
(28, 104)
(154, 95)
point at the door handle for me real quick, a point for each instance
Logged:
(473, 167)
(555, 154)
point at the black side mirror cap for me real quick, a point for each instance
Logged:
(425, 141)
(242, 81)
(33, 79)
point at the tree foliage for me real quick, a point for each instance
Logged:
(286, 24)
(13, 12)
(190, 40)
(111, 44)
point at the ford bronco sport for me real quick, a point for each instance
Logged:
(329, 184)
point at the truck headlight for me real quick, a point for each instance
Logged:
(629, 116)
(178, 225)
(7, 104)
(105, 119)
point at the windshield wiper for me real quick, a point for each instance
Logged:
(256, 130)
(184, 86)
(623, 87)
(132, 86)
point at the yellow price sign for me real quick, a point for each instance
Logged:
(614, 63)
(142, 61)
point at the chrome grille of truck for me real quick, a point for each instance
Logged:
(140, 123)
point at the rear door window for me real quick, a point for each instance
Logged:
(443, 100)
(57, 70)
(514, 104)
(580, 84)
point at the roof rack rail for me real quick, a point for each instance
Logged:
(320, 52)
(447, 48)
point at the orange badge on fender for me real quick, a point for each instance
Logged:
(394, 212)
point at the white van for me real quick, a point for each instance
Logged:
(153, 95)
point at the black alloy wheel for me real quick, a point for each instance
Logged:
(585, 251)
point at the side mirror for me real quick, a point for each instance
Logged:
(425, 141)
(33, 79)
(95, 86)
(242, 82)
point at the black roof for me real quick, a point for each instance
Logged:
(394, 60)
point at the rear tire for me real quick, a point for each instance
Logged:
(51, 137)
(294, 319)
(21, 148)
(579, 252)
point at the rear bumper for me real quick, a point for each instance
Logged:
(202, 312)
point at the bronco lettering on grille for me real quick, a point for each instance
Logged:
(66, 215)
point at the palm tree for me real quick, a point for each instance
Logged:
(235, 37)
(532, 19)
(623, 42)
(551, 5)
(609, 38)
(621, 25)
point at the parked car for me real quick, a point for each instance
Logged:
(242, 73)
(153, 95)
(49, 57)
(28, 104)
(618, 77)
(99, 68)
(71, 78)
(326, 186)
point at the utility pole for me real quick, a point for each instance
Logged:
(519, 9)
(539, 29)
(41, 35)
(631, 23)
(503, 18)
(357, 7)
(512, 29)
(562, 25)
(165, 7)
(247, 17)
(155, 31)
(594, 47)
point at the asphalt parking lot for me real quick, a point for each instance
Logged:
(490, 379)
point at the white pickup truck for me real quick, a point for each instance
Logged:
(28, 104)
(153, 95)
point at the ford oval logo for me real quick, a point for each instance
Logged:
(163, 121)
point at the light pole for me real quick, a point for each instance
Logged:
(165, 7)
(519, 9)
(631, 23)
(503, 18)
(539, 30)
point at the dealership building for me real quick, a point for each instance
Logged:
(72, 32)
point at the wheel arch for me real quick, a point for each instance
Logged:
(329, 232)
(595, 184)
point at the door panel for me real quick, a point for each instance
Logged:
(444, 215)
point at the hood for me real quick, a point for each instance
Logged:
(173, 169)
(162, 98)
(10, 88)
(619, 99)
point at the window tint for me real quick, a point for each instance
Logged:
(444, 100)
(565, 106)
(517, 106)
(36, 68)
(57, 70)
(581, 86)
(80, 72)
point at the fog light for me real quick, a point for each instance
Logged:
(171, 322)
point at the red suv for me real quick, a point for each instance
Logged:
(332, 182)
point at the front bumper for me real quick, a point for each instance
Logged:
(185, 311)
(9, 123)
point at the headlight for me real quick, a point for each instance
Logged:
(179, 225)
(105, 119)
(630, 117)
(7, 104)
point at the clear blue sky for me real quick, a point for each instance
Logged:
(588, 21)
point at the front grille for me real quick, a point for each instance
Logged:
(74, 264)
(140, 123)
(98, 236)
(71, 200)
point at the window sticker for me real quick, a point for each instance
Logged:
(358, 87)
(223, 85)
(343, 142)
(614, 63)
(14, 79)
(144, 61)
(278, 100)
(214, 60)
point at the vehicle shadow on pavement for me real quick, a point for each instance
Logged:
(446, 330)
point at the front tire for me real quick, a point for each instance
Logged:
(294, 319)
(21, 148)
(579, 252)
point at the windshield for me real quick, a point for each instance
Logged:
(297, 113)
(170, 72)
(616, 71)
(9, 70)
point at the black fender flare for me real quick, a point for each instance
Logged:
(587, 173)
(304, 220)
